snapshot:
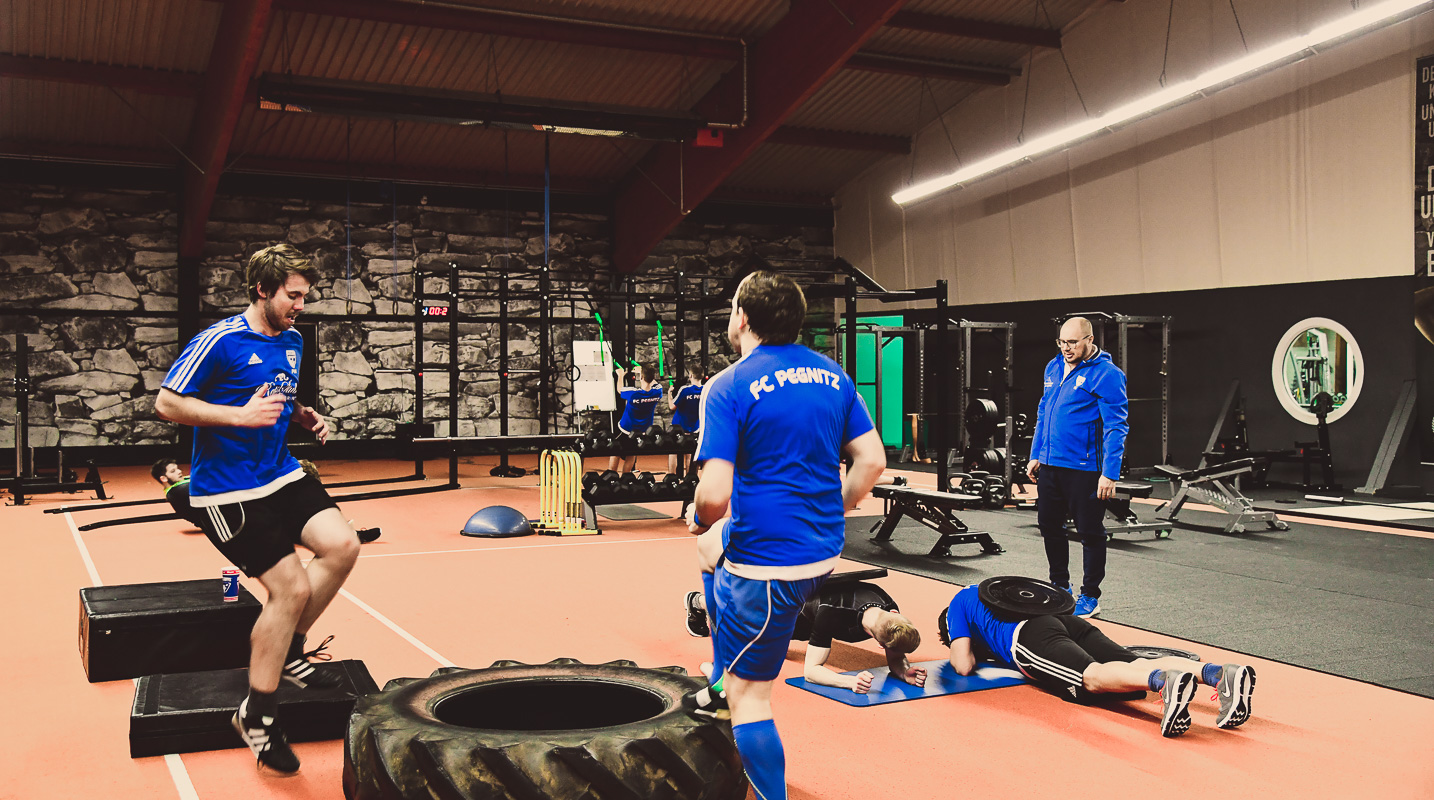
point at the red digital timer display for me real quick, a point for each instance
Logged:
(435, 311)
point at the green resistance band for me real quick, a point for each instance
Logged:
(602, 350)
(661, 364)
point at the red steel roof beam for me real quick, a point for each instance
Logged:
(799, 54)
(232, 62)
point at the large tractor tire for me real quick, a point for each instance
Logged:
(557, 731)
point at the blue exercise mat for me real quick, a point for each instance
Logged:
(941, 679)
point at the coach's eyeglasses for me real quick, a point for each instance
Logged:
(1064, 343)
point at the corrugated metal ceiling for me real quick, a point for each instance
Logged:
(177, 35)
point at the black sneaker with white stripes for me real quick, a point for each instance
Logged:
(266, 741)
(696, 617)
(304, 673)
(707, 703)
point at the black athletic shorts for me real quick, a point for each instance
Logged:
(1055, 650)
(257, 534)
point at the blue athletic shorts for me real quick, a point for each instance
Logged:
(754, 622)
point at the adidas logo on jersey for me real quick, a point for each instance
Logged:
(255, 359)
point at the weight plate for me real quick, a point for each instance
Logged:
(1012, 597)
(1150, 651)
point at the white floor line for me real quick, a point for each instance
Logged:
(688, 537)
(180, 775)
(84, 551)
(177, 772)
(393, 626)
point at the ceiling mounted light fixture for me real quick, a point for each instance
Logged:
(1371, 17)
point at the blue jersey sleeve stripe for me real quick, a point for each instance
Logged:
(183, 370)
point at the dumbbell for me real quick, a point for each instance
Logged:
(646, 485)
(668, 486)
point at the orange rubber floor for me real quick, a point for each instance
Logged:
(423, 597)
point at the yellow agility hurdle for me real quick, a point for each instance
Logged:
(560, 500)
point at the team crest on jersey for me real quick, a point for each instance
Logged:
(1080, 379)
(293, 358)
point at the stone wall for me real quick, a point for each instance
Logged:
(84, 273)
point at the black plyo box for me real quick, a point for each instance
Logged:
(152, 628)
(193, 711)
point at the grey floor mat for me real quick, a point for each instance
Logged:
(625, 511)
(1348, 602)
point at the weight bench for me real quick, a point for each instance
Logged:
(932, 509)
(1208, 485)
(1126, 520)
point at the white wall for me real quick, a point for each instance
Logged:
(1300, 174)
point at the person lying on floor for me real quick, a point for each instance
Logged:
(846, 612)
(1069, 657)
(176, 490)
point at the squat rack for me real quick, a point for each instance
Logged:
(25, 480)
(1123, 323)
(1007, 332)
(858, 287)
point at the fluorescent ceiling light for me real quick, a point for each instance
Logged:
(1360, 22)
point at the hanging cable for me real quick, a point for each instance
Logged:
(393, 186)
(1069, 72)
(493, 67)
(1030, 73)
(942, 119)
(915, 129)
(155, 129)
(547, 195)
(348, 218)
(1241, 28)
(1168, 23)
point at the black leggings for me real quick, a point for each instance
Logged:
(1055, 651)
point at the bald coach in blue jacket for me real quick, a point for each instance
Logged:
(1076, 453)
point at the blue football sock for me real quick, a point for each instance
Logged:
(763, 758)
(1210, 674)
(1157, 680)
(709, 592)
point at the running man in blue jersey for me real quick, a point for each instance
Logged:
(640, 401)
(684, 403)
(773, 427)
(237, 384)
(1072, 659)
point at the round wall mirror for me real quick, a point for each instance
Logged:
(1317, 364)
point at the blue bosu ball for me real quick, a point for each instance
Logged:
(497, 522)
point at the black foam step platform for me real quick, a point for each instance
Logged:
(142, 629)
(192, 711)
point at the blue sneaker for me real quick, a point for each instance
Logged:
(1086, 606)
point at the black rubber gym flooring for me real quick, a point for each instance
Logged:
(1353, 603)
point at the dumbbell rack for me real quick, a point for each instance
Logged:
(656, 492)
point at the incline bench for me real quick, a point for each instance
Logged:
(932, 509)
(1208, 485)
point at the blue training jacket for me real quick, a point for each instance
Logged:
(1081, 421)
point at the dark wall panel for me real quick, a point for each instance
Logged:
(1222, 335)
